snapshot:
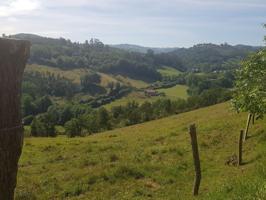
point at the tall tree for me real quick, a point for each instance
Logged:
(250, 92)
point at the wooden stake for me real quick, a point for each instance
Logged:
(247, 126)
(194, 144)
(13, 57)
(240, 147)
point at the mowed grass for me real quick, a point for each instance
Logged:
(106, 79)
(132, 82)
(138, 97)
(169, 71)
(148, 161)
(75, 74)
(178, 91)
(173, 93)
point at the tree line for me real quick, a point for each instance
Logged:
(78, 119)
(93, 54)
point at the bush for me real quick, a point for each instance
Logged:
(73, 127)
(43, 126)
(27, 120)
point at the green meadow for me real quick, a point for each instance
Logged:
(75, 74)
(169, 71)
(178, 91)
(152, 160)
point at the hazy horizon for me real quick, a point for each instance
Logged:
(138, 45)
(148, 23)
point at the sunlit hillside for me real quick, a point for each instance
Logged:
(148, 161)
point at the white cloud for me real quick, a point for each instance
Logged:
(17, 7)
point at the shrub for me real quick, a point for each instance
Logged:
(43, 126)
(27, 120)
(73, 127)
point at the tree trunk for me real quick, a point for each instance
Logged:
(253, 119)
(13, 57)
(247, 126)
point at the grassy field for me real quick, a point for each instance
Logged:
(75, 74)
(106, 79)
(169, 71)
(178, 91)
(148, 161)
(132, 82)
(133, 96)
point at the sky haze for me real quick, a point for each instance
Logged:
(153, 23)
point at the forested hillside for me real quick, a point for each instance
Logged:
(141, 49)
(95, 55)
(75, 88)
(201, 57)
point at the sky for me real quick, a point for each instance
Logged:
(152, 23)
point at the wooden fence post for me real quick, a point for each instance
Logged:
(194, 144)
(13, 57)
(240, 147)
(247, 126)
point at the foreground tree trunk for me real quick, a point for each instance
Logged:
(13, 57)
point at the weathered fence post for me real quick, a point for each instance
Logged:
(194, 143)
(247, 126)
(13, 57)
(240, 147)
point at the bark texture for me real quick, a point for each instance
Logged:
(13, 57)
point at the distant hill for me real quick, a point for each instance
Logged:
(141, 49)
(36, 39)
(132, 60)
(211, 57)
(93, 54)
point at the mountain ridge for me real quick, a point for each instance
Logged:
(130, 47)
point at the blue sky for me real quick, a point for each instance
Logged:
(153, 23)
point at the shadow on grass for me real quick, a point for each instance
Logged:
(248, 162)
(256, 134)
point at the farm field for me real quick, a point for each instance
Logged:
(178, 91)
(138, 97)
(169, 71)
(152, 160)
(75, 74)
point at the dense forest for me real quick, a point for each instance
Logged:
(96, 55)
(201, 57)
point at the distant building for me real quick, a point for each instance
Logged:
(151, 93)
